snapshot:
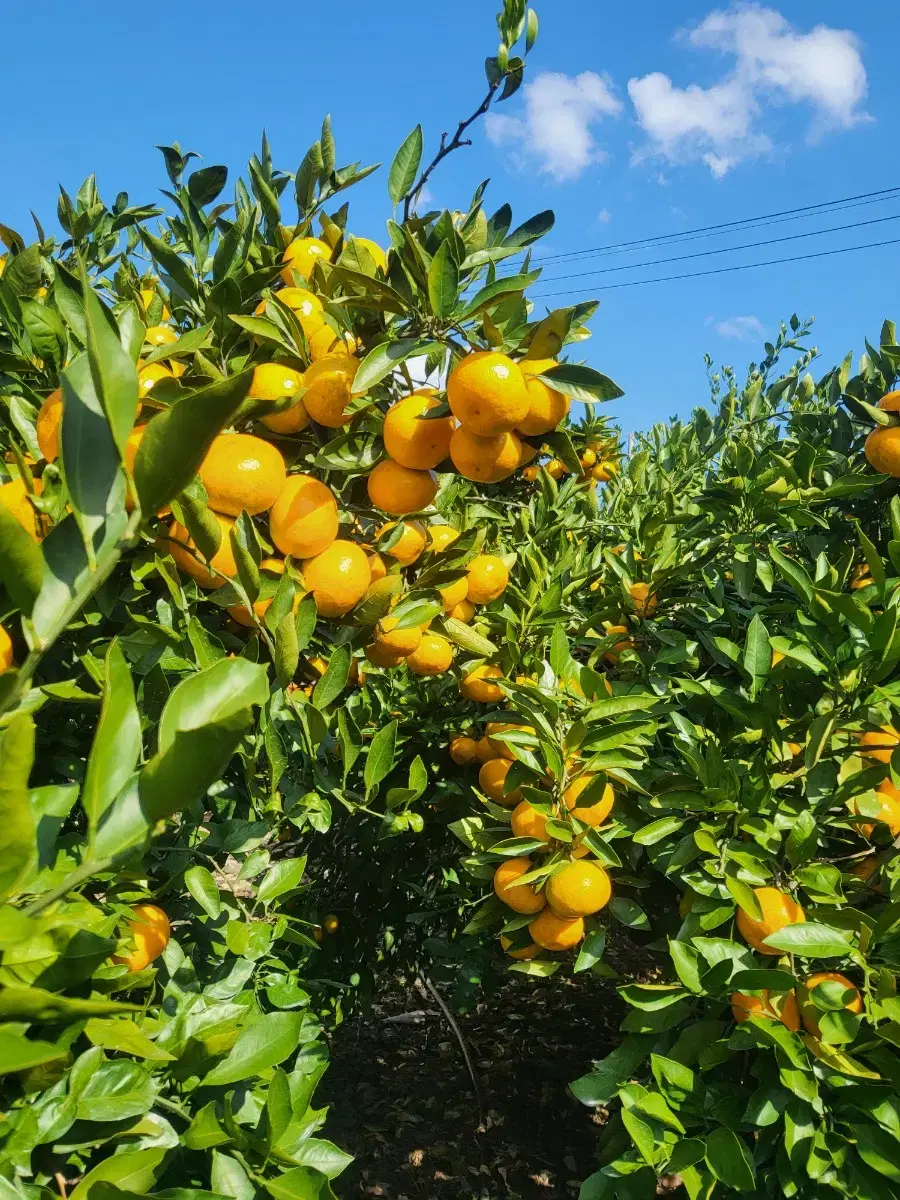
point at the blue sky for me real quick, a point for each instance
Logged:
(637, 121)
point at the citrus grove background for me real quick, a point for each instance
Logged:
(313, 679)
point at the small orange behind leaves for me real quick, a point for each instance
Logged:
(433, 656)
(475, 686)
(463, 750)
(522, 899)
(553, 932)
(397, 490)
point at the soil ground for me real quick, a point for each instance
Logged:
(403, 1104)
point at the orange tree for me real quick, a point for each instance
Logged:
(224, 549)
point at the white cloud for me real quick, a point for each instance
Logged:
(773, 64)
(604, 216)
(744, 329)
(556, 126)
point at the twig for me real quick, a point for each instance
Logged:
(61, 1183)
(425, 982)
(448, 147)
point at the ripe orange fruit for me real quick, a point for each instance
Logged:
(491, 780)
(592, 814)
(160, 335)
(398, 490)
(488, 577)
(556, 933)
(303, 520)
(555, 469)
(777, 657)
(330, 923)
(150, 932)
(475, 686)
(454, 593)
(485, 459)
(337, 577)
(810, 1014)
(527, 452)
(776, 1006)
(377, 567)
(414, 442)
(522, 899)
(890, 402)
(411, 543)
(644, 603)
(484, 751)
(378, 656)
(149, 376)
(7, 658)
(487, 393)
(861, 577)
(546, 406)
(463, 750)
(530, 473)
(147, 296)
(440, 537)
(329, 389)
(526, 821)
(392, 640)
(603, 472)
(578, 889)
(433, 656)
(301, 256)
(778, 910)
(501, 750)
(883, 450)
(14, 495)
(242, 473)
(464, 611)
(241, 614)
(889, 810)
(222, 560)
(305, 305)
(524, 952)
(47, 425)
(612, 656)
(879, 745)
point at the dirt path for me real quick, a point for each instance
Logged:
(402, 1100)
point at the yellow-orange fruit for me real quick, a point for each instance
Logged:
(464, 611)
(160, 335)
(149, 376)
(546, 406)
(398, 490)
(14, 496)
(523, 898)
(485, 459)
(644, 602)
(778, 910)
(880, 744)
(150, 932)
(7, 658)
(883, 450)
(414, 442)
(329, 389)
(377, 567)
(890, 402)
(591, 814)
(888, 797)
(47, 425)
(810, 1014)
(454, 593)
(222, 560)
(484, 752)
(303, 520)
(440, 537)
(486, 392)
(378, 656)
(242, 473)
(491, 780)
(488, 576)
(410, 545)
(392, 640)
(526, 821)
(553, 932)
(578, 889)
(147, 296)
(523, 952)
(772, 1005)
(463, 751)
(337, 577)
(432, 657)
(475, 686)
(301, 255)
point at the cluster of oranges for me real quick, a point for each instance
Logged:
(778, 910)
(598, 464)
(576, 889)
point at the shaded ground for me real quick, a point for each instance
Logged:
(403, 1104)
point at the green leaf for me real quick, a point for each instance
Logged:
(878, 1149)
(264, 1044)
(129, 1170)
(379, 362)
(505, 286)
(729, 1160)
(405, 166)
(601, 1084)
(117, 740)
(90, 455)
(121, 1033)
(811, 940)
(443, 282)
(757, 654)
(591, 951)
(333, 682)
(112, 370)
(628, 913)
(322, 1156)
(21, 562)
(582, 383)
(651, 834)
(229, 1178)
(18, 836)
(380, 758)
(18, 1053)
(202, 885)
(284, 876)
(175, 441)
(466, 637)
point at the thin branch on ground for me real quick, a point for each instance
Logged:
(426, 984)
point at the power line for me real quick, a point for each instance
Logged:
(774, 262)
(707, 230)
(790, 237)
